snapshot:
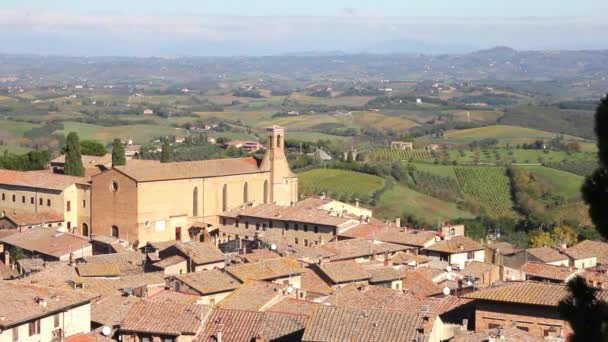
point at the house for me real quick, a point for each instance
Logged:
(191, 256)
(581, 255)
(49, 244)
(402, 145)
(380, 231)
(547, 255)
(448, 231)
(342, 273)
(279, 271)
(387, 276)
(162, 321)
(246, 145)
(410, 259)
(546, 272)
(34, 192)
(418, 283)
(35, 313)
(145, 200)
(481, 273)
(256, 296)
(313, 285)
(25, 220)
(509, 257)
(528, 306)
(148, 111)
(456, 251)
(212, 286)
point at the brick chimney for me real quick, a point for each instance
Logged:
(357, 202)
(7, 258)
(398, 222)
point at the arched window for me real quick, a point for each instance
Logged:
(195, 201)
(225, 197)
(85, 229)
(115, 231)
(245, 192)
(279, 141)
(265, 191)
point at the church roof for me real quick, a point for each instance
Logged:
(154, 170)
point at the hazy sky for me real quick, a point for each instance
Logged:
(229, 27)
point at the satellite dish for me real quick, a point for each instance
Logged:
(273, 247)
(449, 268)
(446, 291)
(289, 289)
(106, 330)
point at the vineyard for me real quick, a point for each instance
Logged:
(577, 211)
(489, 186)
(578, 167)
(392, 154)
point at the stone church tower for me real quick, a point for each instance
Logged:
(283, 182)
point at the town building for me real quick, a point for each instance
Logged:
(212, 286)
(147, 201)
(284, 271)
(342, 273)
(547, 255)
(36, 192)
(25, 220)
(538, 271)
(583, 253)
(246, 145)
(456, 251)
(48, 244)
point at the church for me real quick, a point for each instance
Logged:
(149, 201)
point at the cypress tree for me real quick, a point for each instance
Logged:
(73, 158)
(166, 155)
(118, 153)
(595, 188)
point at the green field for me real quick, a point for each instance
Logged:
(401, 200)
(577, 211)
(519, 156)
(436, 169)
(138, 133)
(561, 182)
(504, 134)
(490, 186)
(393, 154)
(315, 136)
(339, 182)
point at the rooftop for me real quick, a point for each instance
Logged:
(405, 258)
(87, 161)
(385, 273)
(265, 269)
(457, 244)
(166, 318)
(47, 241)
(303, 214)
(546, 271)
(19, 302)
(546, 254)
(200, 252)
(504, 247)
(355, 248)
(419, 283)
(254, 296)
(153, 170)
(98, 270)
(129, 262)
(588, 249)
(294, 306)
(39, 179)
(344, 271)
(477, 269)
(311, 282)
(209, 282)
(23, 219)
(259, 255)
(112, 310)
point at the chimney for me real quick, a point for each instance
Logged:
(398, 222)
(460, 247)
(322, 195)
(218, 336)
(7, 258)
(357, 202)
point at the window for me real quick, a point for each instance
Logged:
(286, 225)
(295, 227)
(236, 237)
(212, 301)
(264, 227)
(257, 226)
(296, 241)
(397, 286)
(246, 225)
(85, 229)
(452, 231)
(40, 201)
(279, 141)
(145, 338)
(16, 334)
(3, 196)
(48, 202)
(305, 243)
(305, 227)
(84, 203)
(316, 229)
(22, 199)
(14, 198)
(494, 325)
(236, 223)
(471, 255)
(68, 205)
(56, 321)
(167, 339)
(270, 224)
(523, 328)
(223, 221)
(32, 201)
(115, 231)
(178, 233)
(225, 197)
(34, 328)
(69, 225)
(195, 201)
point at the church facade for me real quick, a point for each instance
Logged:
(148, 201)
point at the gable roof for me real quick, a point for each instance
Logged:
(166, 318)
(111, 310)
(504, 247)
(265, 269)
(309, 215)
(209, 282)
(457, 244)
(22, 219)
(294, 306)
(385, 273)
(200, 252)
(254, 296)
(129, 262)
(47, 241)
(355, 248)
(419, 284)
(344, 271)
(41, 179)
(153, 170)
(477, 269)
(98, 270)
(547, 271)
(546, 254)
(588, 249)
(311, 282)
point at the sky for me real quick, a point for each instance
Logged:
(271, 27)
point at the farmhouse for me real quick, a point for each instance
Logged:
(402, 145)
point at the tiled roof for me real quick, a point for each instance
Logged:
(355, 248)
(547, 271)
(259, 255)
(430, 272)
(419, 284)
(266, 269)
(290, 213)
(311, 282)
(457, 244)
(344, 271)
(130, 262)
(7, 232)
(98, 270)
(384, 274)
(165, 318)
(93, 336)
(22, 219)
(546, 254)
(175, 297)
(200, 252)
(19, 302)
(589, 248)
(111, 310)
(241, 325)
(510, 334)
(405, 258)
(169, 261)
(209, 282)
(294, 306)
(417, 238)
(504, 247)
(477, 269)
(39, 179)
(7, 272)
(339, 324)
(526, 293)
(254, 296)
(154, 170)
(47, 241)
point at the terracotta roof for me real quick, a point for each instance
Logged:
(169, 261)
(417, 238)
(240, 325)
(457, 244)
(589, 248)
(504, 247)
(355, 248)
(93, 336)
(311, 216)
(22, 219)
(344, 271)
(200, 252)
(420, 284)
(154, 170)
(311, 282)
(174, 296)
(366, 325)
(547, 271)
(406, 258)
(129, 262)
(19, 302)
(259, 255)
(111, 310)
(384, 274)
(265, 270)
(526, 293)
(98, 270)
(510, 334)
(164, 318)
(209, 282)
(254, 296)
(7, 272)
(294, 306)
(477, 269)
(39, 179)
(7, 232)
(365, 230)
(546, 254)
(430, 272)
(47, 241)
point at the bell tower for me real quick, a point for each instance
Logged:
(283, 183)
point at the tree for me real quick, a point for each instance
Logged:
(73, 158)
(92, 148)
(595, 188)
(540, 238)
(565, 234)
(118, 153)
(166, 154)
(587, 315)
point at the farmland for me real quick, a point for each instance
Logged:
(489, 186)
(561, 182)
(392, 154)
(340, 183)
